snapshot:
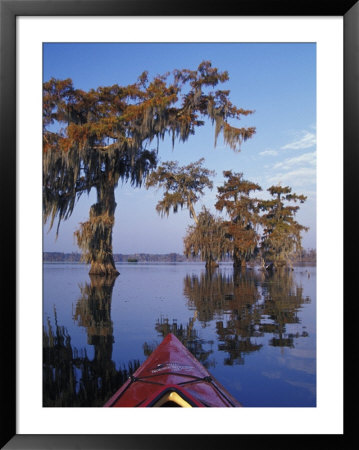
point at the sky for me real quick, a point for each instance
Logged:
(277, 81)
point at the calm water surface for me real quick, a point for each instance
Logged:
(254, 332)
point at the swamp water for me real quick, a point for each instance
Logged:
(255, 332)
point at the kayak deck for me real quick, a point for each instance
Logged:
(172, 377)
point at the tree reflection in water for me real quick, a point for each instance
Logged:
(283, 299)
(189, 337)
(247, 306)
(70, 378)
(93, 312)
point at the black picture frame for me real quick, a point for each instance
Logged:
(9, 10)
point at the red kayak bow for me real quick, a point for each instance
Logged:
(172, 376)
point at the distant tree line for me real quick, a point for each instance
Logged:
(119, 257)
(309, 255)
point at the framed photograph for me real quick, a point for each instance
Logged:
(75, 333)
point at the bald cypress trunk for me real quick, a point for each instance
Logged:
(95, 235)
(211, 263)
(102, 262)
(239, 262)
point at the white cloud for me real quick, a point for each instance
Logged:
(308, 159)
(305, 140)
(299, 177)
(269, 153)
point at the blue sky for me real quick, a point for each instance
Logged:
(277, 80)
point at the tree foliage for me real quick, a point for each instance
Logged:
(96, 138)
(281, 239)
(183, 185)
(234, 197)
(206, 239)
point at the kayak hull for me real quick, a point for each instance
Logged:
(172, 376)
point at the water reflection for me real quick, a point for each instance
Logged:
(214, 293)
(232, 314)
(283, 299)
(70, 377)
(93, 311)
(189, 337)
(246, 306)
